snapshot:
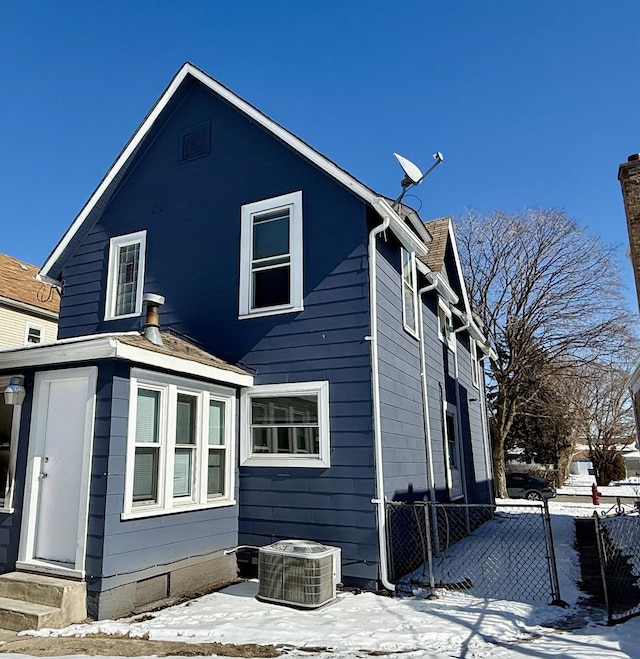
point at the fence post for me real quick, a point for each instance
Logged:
(553, 568)
(602, 556)
(432, 581)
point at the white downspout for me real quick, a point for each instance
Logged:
(379, 501)
(425, 395)
(485, 429)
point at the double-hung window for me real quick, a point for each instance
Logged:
(33, 334)
(125, 276)
(271, 256)
(409, 292)
(180, 452)
(286, 425)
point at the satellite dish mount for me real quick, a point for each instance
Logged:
(413, 174)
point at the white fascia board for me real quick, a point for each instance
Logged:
(171, 363)
(456, 256)
(96, 348)
(407, 238)
(442, 287)
(253, 113)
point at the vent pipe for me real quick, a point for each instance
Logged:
(152, 317)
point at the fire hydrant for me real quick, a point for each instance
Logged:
(595, 495)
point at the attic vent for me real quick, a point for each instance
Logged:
(195, 141)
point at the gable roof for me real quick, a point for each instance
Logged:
(439, 231)
(412, 238)
(19, 287)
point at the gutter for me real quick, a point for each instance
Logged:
(380, 499)
(41, 312)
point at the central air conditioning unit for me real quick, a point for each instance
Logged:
(298, 572)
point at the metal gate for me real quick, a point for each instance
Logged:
(618, 538)
(492, 551)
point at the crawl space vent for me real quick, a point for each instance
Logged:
(298, 572)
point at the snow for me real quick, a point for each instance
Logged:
(356, 625)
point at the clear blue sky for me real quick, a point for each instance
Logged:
(532, 102)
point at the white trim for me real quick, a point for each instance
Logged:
(248, 458)
(411, 242)
(450, 410)
(169, 388)
(115, 245)
(31, 489)
(6, 498)
(293, 201)
(98, 346)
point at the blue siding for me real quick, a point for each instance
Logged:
(401, 406)
(191, 211)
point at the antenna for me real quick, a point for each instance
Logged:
(413, 174)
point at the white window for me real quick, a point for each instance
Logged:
(445, 325)
(452, 453)
(180, 449)
(409, 293)
(285, 425)
(125, 277)
(475, 364)
(33, 334)
(271, 256)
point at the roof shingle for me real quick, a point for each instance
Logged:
(18, 282)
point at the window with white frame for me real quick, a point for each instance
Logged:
(125, 276)
(33, 334)
(180, 449)
(271, 256)
(445, 325)
(409, 292)
(475, 364)
(285, 425)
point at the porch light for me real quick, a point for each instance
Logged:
(15, 392)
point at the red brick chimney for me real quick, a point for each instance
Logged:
(629, 177)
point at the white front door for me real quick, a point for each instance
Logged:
(54, 521)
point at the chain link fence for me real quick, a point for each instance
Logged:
(490, 551)
(619, 551)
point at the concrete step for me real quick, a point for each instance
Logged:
(66, 596)
(18, 615)
(40, 588)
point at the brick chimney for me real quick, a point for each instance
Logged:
(629, 177)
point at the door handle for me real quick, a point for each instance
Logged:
(43, 474)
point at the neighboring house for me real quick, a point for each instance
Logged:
(316, 355)
(28, 315)
(629, 177)
(28, 308)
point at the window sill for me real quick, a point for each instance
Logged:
(410, 332)
(270, 312)
(6, 511)
(280, 461)
(128, 315)
(156, 512)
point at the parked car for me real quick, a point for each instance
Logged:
(524, 486)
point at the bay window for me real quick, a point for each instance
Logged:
(181, 438)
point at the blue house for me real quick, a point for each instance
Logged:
(253, 346)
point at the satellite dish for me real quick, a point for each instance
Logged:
(412, 171)
(413, 174)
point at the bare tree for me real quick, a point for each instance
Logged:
(549, 296)
(604, 418)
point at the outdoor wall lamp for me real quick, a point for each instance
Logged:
(15, 392)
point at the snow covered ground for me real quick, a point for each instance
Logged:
(581, 486)
(356, 625)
